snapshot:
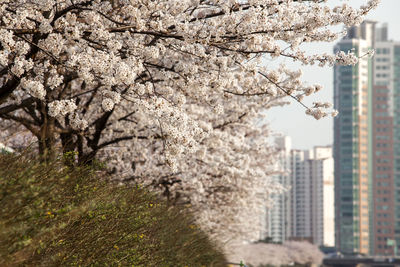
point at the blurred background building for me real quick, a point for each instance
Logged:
(305, 211)
(278, 214)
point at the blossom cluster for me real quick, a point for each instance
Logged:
(61, 107)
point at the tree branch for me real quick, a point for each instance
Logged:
(13, 107)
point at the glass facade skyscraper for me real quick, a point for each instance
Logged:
(367, 143)
(352, 146)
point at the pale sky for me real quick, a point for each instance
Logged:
(304, 130)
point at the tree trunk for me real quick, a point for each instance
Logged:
(47, 140)
(87, 158)
(68, 148)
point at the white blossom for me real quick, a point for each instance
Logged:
(61, 107)
(34, 88)
(107, 104)
(54, 80)
(288, 253)
(77, 123)
(45, 27)
(3, 58)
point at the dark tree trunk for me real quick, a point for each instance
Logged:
(67, 142)
(68, 148)
(87, 158)
(47, 140)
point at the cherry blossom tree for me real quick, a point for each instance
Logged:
(168, 92)
(288, 253)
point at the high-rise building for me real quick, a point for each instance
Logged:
(305, 211)
(367, 144)
(352, 144)
(324, 167)
(312, 196)
(301, 196)
(278, 215)
(386, 144)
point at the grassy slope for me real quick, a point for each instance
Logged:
(54, 216)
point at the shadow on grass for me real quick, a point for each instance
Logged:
(53, 215)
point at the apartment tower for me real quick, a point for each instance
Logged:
(312, 196)
(305, 211)
(367, 144)
(352, 142)
(278, 215)
(386, 144)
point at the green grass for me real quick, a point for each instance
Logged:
(52, 215)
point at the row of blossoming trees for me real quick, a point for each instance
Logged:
(166, 91)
